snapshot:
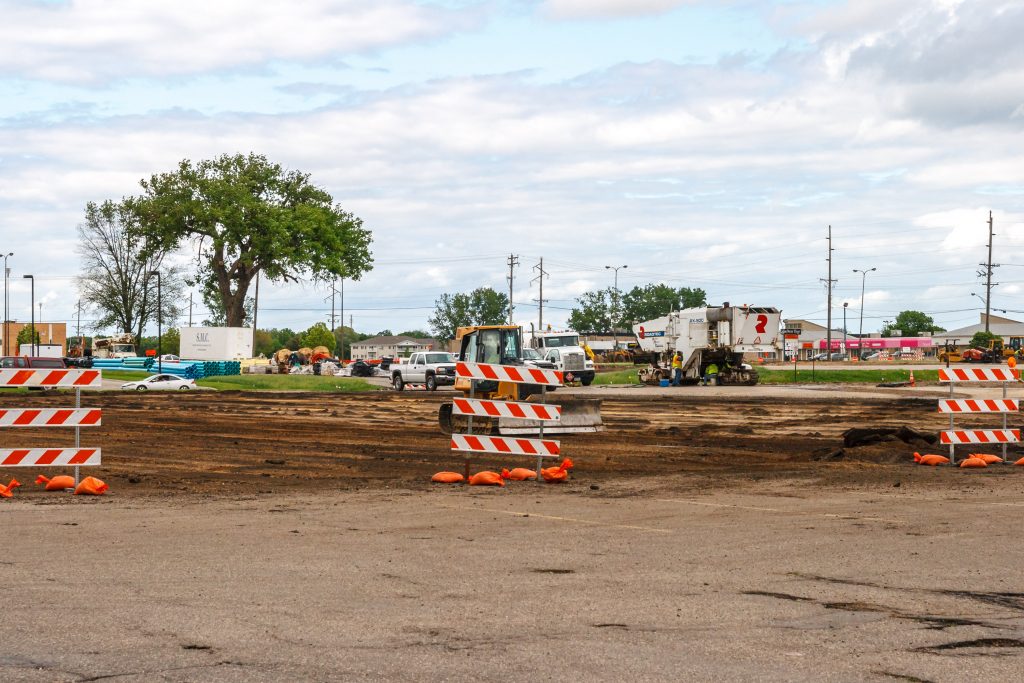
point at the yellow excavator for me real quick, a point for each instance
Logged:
(503, 345)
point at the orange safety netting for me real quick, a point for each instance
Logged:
(447, 478)
(91, 486)
(58, 483)
(486, 478)
(519, 474)
(6, 491)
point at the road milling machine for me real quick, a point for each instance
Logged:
(503, 345)
(716, 334)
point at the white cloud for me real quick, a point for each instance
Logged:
(100, 40)
(591, 9)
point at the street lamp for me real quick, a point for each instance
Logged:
(863, 278)
(846, 304)
(159, 323)
(32, 312)
(7, 305)
(615, 307)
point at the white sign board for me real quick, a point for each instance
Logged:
(42, 350)
(216, 343)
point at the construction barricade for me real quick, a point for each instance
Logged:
(76, 417)
(1004, 406)
(471, 407)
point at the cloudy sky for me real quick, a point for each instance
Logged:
(701, 143)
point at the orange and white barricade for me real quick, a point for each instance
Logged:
(517, 410)
(76, 417)
(1004, 406)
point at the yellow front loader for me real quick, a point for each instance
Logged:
(503, 345)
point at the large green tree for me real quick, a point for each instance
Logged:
(482, 306)
(116, 265)
(655, 300)
(319, 335)
(246, 215)
(598, 311)
(911, 324)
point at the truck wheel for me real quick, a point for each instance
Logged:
(397, 383)
(586, 381)
(431, 383)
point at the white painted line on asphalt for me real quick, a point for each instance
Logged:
(515, 513)
(716, 505)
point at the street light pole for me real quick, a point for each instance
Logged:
(846, 305)
(32, 312)
(159, 323)
(615, 308)
(863, 279)
(7, 307)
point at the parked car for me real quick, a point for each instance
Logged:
(31, 362)
(169, 358)
(820, 356)
(532, 357)
(161, 383)
(871, 355)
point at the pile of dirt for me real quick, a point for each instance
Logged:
(881, 444)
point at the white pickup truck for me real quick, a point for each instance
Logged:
(432, 368)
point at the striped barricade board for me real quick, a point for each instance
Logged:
(41, 457)
(471, 443)
(513, 409)
(50, 417)
(520, 374)
(971, 405)
(50, 378)
(978, 375)
(989, 436)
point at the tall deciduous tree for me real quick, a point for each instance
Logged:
(911, 324)
(319, 335)
(247, 215)
(656, 300)
(593, 313)
(482, 306)
(116, 262)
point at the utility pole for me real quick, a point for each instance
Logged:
(255, 313)
(988, 273)
(333, 319)
(78, 328)
(541, 274)
(828, 285)
(513, 261)
(343, 319)
(190, 309)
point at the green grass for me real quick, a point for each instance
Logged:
(261, 382)
(873, 376)
(618, 376)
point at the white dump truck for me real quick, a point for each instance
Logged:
(718, 335)
(564, 352)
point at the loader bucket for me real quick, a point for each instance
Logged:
(579, 415)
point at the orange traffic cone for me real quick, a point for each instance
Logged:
(912, 382)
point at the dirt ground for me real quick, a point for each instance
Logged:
(702, 537)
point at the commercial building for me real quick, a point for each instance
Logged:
(1004, 327)
(49, 334)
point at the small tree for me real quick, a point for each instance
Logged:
(593, 314)
(911, 324)
(482, 306)
(981, 339)
(319, 335)
(26, 336)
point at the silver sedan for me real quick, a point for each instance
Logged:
(161, 383)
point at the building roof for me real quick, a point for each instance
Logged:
(396, 340)
(1004, 327)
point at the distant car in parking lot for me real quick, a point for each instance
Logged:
(871, 355)
(169, 358)
(161, 383)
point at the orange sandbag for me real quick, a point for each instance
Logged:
(58, 483)
(486, 478)
(519, 474)
(917, 456)
(447, 478)
(556, 474)
(932, 460)
(1020, 462)
(91, 486)
(988, 458)
(974, 462)
(7, 491)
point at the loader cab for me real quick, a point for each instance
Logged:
(496, 345)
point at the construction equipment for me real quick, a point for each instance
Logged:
(117, 346)
(503, 345)
(716, 334)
